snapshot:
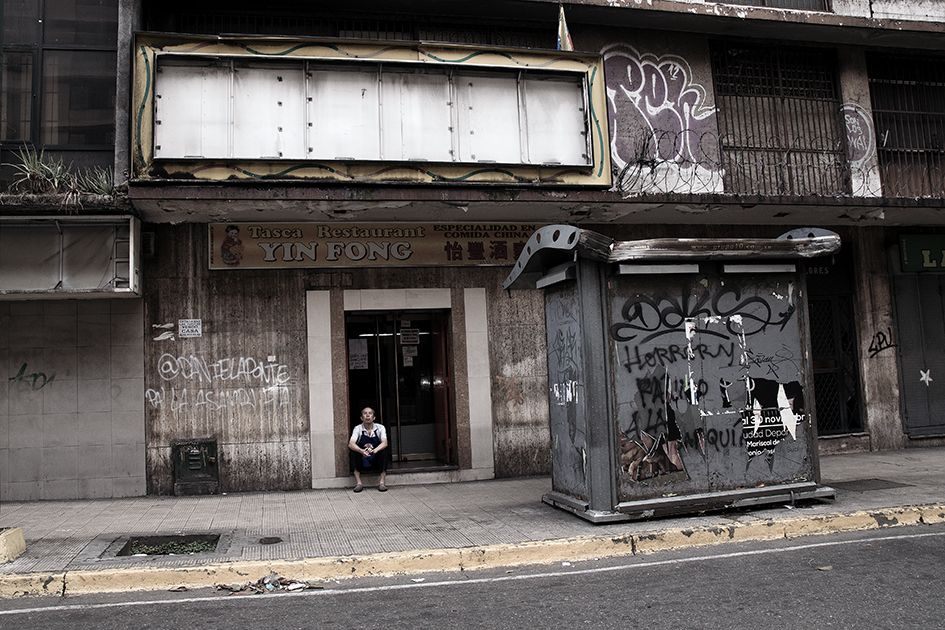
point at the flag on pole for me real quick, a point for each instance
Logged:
(564, 36)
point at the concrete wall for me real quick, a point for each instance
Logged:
(879, 371)
(265, 433)
(71, 399)
(243, 382)
(858, 123)
(925, 10)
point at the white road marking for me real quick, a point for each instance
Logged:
(488, 580)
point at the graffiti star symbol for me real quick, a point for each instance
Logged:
(925, 376)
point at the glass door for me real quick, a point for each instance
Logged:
(398, 364)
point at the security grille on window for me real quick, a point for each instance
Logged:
(908, 98)
(780, 123)
(229, 109)
(803, 5)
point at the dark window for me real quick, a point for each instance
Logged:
(16, 81)
(19, 20)
(78, 98)
(908, 98)
(57, 78)
(84, 22)
(806, 5)
(780, 126)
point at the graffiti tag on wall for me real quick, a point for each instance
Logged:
(230, 383)
(35, 379)
(663, 129)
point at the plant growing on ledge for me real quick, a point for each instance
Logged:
(35, 173)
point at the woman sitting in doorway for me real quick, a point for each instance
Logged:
(368, 446)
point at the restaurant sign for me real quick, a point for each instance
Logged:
(340, 245)
(922, 252)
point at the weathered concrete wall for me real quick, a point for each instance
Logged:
(71, 399)
(261, 420)
(879, 370)
(242, 382)
(925, 10)
(853, 8)
(129, 21)
(858, 123)
(519, 381)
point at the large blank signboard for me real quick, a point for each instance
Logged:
(228, 109)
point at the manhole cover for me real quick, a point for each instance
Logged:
(270, 540)
(865, 485)
(169, 545)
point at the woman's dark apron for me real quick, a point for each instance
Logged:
(374, 461)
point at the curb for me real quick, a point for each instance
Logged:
(463, 559)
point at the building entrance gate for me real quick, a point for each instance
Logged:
(398, 365)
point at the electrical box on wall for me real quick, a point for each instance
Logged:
(196, 467)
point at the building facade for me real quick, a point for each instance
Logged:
(317, 208)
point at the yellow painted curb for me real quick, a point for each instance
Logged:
(473, 558)
(31, 584)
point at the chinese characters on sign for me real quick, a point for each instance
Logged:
(319, 245)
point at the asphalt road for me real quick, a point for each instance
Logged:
(890, 578)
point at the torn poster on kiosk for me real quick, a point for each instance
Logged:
(709, 373)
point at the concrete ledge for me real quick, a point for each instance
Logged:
(469, 558)
(12, 544)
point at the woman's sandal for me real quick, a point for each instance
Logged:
(358, 488)
(382, 488)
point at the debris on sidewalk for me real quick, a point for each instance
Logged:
(270, 584)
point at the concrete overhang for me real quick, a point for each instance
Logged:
(726, 20)
(168, 203)
(712, 18)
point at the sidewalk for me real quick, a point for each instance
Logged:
(327, 534)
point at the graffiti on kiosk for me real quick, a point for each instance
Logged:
(645, 317)
(727, 380)
(565, 387)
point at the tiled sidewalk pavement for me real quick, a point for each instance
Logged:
(71, 535)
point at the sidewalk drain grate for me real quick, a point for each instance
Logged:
(865, 485)
(180, 545)
(270, 540)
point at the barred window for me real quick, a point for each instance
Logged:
(804, 5)
(780, 125)
(908, 97)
